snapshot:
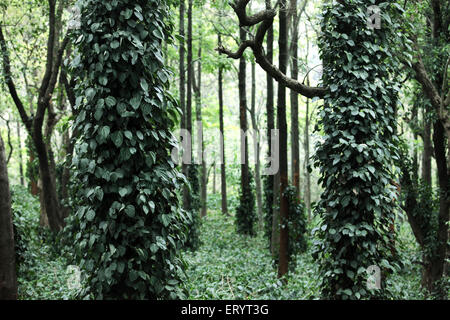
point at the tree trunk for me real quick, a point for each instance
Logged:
(415, 152)
(8, 278)
(269, 187)
(307, 174)
(188, 117)
(197, 85)
(257, 147)
(214, 178)
(182, 89)
(275, 237)
(34, 188)
(295, 145)
(223, 176)
(427, 149)
(438, 263)
(282, 126)
(245, 172)
(22, 180)
(50, 203)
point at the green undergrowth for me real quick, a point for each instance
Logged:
(226, 266)
(42, 273)
(231, 266)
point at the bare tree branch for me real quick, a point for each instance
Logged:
(265, 19)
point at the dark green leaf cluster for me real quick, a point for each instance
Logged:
(297, 225)
(130, 226)
(356, 152)
(193, 236)
(25, 220)
(245, 212)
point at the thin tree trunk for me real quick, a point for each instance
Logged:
(295, 144)
(257, 148)
(22, 180)
(245, 174)
(275, 238)
(8, 277)
(223, 176)
(282, 126)
(188, 117)
(307, 174)
(415, 152)
(427, 149)
(182, 52)
(197, 85)
(270, 200)
(214, 178)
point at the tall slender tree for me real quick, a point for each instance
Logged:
(256, 142)
(182, 89)
(191, 170)
(295, 15)
(245, 215)
(282, 127)
(269, 180)
(223, 176)
(197, 87)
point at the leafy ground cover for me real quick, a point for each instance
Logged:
(231, 266)
(226, 266)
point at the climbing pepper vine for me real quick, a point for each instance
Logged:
(130, 224)
(357, 149)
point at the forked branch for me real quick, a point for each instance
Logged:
(264, 19)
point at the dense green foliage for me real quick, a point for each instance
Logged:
(230, 266)
(297, 225)
(130, 223)
(268, 207)
(357, 148)
(193, 237)
(378, 186)
(245, 217)
(42, 270)
(26, 220)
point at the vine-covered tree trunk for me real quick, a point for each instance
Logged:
(355, 156)
(8, 280)
(129, 227)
